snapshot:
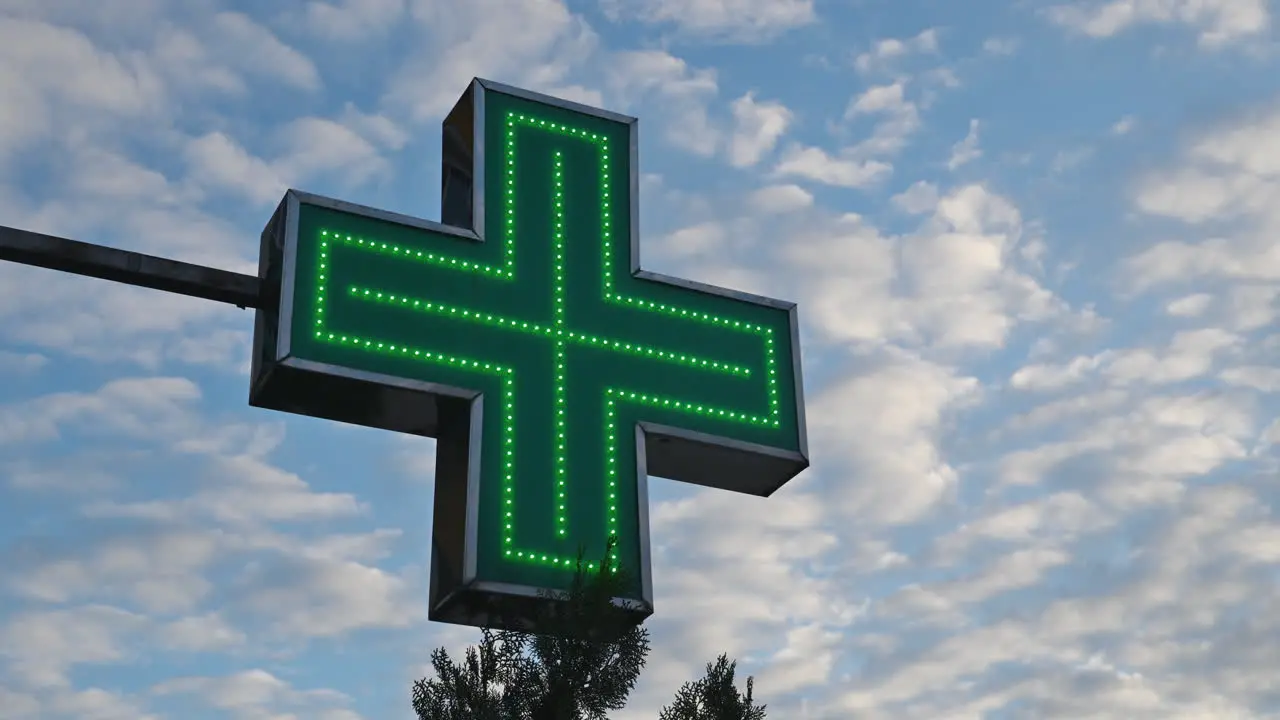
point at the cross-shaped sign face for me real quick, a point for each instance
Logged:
(522, 335)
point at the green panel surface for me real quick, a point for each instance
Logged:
(545, 318)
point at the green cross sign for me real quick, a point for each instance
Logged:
(520, 332)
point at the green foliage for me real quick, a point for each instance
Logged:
(481, 688)
(714, 697)
(585, 663)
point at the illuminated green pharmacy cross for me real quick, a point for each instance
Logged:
(567, 338)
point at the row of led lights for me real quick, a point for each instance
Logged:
(774, 420)
(608, 279)
(533, 328)
(509, 440)
(508, 271)
(653, 400)
(464, 264)
(508, 422)
(488, 269)
(559, 301)
(509, 432)
(514, 118)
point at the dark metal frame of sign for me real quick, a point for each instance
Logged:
(287, 376)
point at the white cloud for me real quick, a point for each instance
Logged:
(892, 467)
(531, 44)
(261, 493)
(1056, 632)
(1218, 21)
(1189, 305)
(317, 147)
(734, 599)
(79, 475)
(190, 65)
(815, 164)
(859, 165)
(1069, 159)
(111, 102)
(377, 129)
(200, 633)
(99, 704)
(354, 19)
(21, 363)
(131, 407)
(807, 659)
(1230, 173)
(106, 321)
(312, 597)
(161, 573)
(953, 283)
(1124, 125)
(417, 457)
(1251, 306)
(1056, 518)
(974, 537)
(884, 54)
(255, 49)
(781, 198)
(310, 149)
(944, 600)
(254, 691)
(221, 162)
(879, 99)
(967, 150)
(1053, 377)
(744, 20)
(757, 128)
(22, 706)
(42, 646)
(1000, 45)
(122, 19)
(702, 239)
(920, 198)
(636, 72)
(682, 94)
(901, 118)
(1189, 354)
(52, 70)
(1148, 451)
(291, 586)
(1262, 379)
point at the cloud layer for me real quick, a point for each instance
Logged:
(1037, 306)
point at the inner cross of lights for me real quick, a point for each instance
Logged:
(557, 329)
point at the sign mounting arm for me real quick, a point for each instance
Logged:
(128, 267)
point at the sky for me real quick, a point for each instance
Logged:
(1033, 245)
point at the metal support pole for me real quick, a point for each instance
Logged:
(130, 268)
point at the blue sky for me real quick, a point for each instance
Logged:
(1033, 245)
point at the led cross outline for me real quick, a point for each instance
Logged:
(557, 330)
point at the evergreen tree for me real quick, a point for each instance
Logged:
(485, 686)
(585, 662)
(714, 697)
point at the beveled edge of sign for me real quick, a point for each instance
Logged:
(561, 103)
(511, 606)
